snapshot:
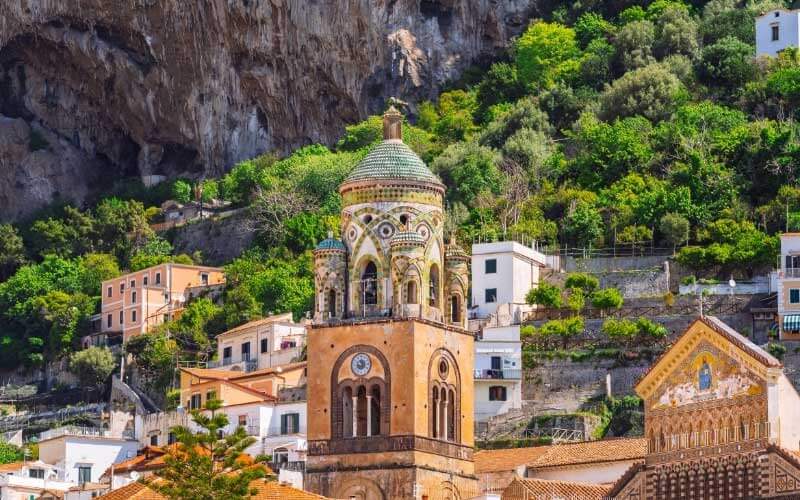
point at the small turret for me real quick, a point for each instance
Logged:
(392, 125)
(330, 271)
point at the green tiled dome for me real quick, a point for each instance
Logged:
(392, 159)
(330, 244)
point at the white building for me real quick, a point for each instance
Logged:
(503, 273)
(83, 454)
(498, 371)
(777, 30)
(788, 287)
(264, 343)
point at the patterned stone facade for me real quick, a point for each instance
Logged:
(390, 399)
(716, 409)
(392, 260)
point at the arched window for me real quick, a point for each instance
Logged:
(361, 411)
(455, 309)
(451, 416)
(375, 411)
(347, 412)
(411, 292)
(331, 306)
(433, 293)
(369, 284)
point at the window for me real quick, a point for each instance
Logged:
(84, 474)
(497, 393)
(109, 291)
(246, 351)
(369, 284)
(154, 440)
(211, 395)
(144, 281)
(290, 423)
(194, 403)
(158, 278)
(264, 345)
(121, 318)
(171, 439)
(122, 287)
(242, 420)
(133, 298)
(794, 296)
(36, 473)
(280, 455)
(491, 295)
(775, 32)
(204, 278)
(133, 316)
(133, 283)
(108, 321)
(491, 266)
(226, 354)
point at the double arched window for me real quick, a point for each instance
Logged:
(361, 410)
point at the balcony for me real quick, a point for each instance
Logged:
(246, 364)
(790, 272)
(491, 374)
(76, 431)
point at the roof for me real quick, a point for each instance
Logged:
(133, 491)
(392, 159)
(276, 318)
(531, 489)
(605, 450)
(151, 457)
(506, 459)
(11, 467)
(330, 244)
(266, 490)
(211, 374)
(730, 335)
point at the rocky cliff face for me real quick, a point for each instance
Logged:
(190, 87)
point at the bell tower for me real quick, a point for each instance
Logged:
(390, 399)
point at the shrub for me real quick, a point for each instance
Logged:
(546, 53)
(728, 63)
(582, 281)
(92, 366)
(651, 91)
(607, 298)
(777, 350)
(544, 295)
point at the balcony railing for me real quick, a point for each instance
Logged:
(298, 466)
(790, 272)
(76, 431)
(704, 438)
(248, 365)
(491, 374)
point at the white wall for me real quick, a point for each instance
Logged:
(591, 473)
(485, 409)
(789, 422)
(787, 22)
(517, 272)
(69, 452)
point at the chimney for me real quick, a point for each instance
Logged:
(392, 124)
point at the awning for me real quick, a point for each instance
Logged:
(791, 322)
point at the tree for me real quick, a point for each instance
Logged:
(546, 53)
(564, 329)
(582, 281)
(208, 465)
(9, 453)
(675, 229)
(634, 45)
(576, 300)
(591, 26)
(64, 316)
(651, 91)
(607, 298)
(620, 330)
(677, 33)
(584, 225)
(634, 234)
(12, 251)
(728, 63)
(97, 267)
(270, 211)
(155, 355)
(182, 191)
(240, 307)
(651, 330)
(471, 169)
(545, 294)
(500, 85)
(92, 366)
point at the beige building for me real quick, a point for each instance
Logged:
(136, 302)
(263, 343)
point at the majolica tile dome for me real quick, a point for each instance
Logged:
(392, 235)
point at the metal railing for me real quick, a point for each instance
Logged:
(72, 430)
(294, 465)
(790, 272)
(492, 374)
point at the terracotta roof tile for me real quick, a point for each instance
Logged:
(266, 490)
(11, 467)
(535, 489)
(606, 450)
(133, 491)
(506, 459)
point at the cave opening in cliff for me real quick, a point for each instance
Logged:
(442, 10)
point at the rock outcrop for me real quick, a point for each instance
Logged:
(190, 87)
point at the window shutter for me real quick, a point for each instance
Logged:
(283, 424)
(296, 423)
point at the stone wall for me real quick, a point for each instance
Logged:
(606, 264)
(652, 282)
(219, 240)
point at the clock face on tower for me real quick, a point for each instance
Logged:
(361, 364)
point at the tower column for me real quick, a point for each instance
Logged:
(369, 415)
(355, 416)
